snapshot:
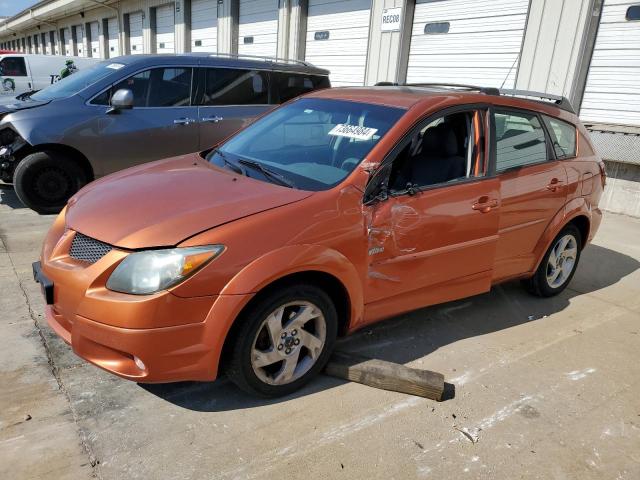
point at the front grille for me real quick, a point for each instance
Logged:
(87, 249)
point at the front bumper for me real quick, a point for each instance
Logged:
(145, 338)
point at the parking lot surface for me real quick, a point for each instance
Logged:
(544, 388)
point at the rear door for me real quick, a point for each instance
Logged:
(533, 188)
(162, 123)
(229, 100)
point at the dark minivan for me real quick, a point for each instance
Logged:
(134, 109)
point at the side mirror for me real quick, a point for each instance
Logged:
(121, 100)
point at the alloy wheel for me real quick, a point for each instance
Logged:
(288, 343)
(562, 261)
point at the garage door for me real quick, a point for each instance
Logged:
(457, 41)
(94, 32)
(114, 35)
(80, 49)
(68, 42)
(52, 43)
(258, 28)
(338, 37)
(204, 26)
(612, 94)
(136, 44)
(165, 29)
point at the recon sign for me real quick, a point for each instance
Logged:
(391, 18)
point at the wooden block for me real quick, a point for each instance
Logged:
(386, 375)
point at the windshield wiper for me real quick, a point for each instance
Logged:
(268, 173)
(233, 165)
(26, 95)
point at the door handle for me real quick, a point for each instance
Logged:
(554, 184)
(484, 204)
(215, 119)
(184, 121)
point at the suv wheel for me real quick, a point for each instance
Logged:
(558, 265)
(44, 181)
(284, 340)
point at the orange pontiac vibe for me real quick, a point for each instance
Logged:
(334, 211)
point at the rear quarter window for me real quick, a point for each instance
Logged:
(291, 85)
(563, 137)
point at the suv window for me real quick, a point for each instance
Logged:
(291, 85)
(227, 86)
(158, 87)
(13, 67)
(520, 140)
(442, 150)
(563, 137)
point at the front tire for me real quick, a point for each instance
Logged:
(44, 181)
(284, 340)
(558, 264)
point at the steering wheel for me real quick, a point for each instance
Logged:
(349, 164)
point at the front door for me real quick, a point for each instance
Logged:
(434, 238)
(162, 123)
(231, 100)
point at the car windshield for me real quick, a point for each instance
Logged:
(76, 82)
(311, 144)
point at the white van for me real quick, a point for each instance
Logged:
(21, 73)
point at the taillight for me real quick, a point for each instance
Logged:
(603, 173)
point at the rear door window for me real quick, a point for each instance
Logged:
(13, 67)
(520, 140)
(228, 86)
(291, 85)
(563, 137)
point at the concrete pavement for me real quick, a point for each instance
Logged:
(545, 389)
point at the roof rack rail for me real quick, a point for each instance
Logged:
(265, 59)
(460, 86)
(560, 101)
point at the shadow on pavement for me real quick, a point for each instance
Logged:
(414, 335)
(9, 198)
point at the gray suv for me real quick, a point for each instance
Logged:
(135, 109)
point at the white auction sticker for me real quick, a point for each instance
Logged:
(353, 131)
(115, 66)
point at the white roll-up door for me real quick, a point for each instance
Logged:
(338, 38)
(165, 29)
(80, 48)
(68, 42)
(136, 44)
(258, 28)
(94, 31)
(612, 93)
(204, 26)
(457, 41)
(114, 35)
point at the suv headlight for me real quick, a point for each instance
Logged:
(150, 271)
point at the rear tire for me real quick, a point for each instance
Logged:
(44, 181)
(284, 340)
(558, 265)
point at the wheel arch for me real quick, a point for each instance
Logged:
(72, 153)
(575, 212)
(317, 265)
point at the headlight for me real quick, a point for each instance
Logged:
(142, 273)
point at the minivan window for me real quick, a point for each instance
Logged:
(227, 86)
(520, 140)
(157, 87)
(78, 81)
(313, 143)
(563, 137)
(291, 85)
(13, 67)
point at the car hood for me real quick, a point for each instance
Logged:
(163, 203)
(11, 104)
